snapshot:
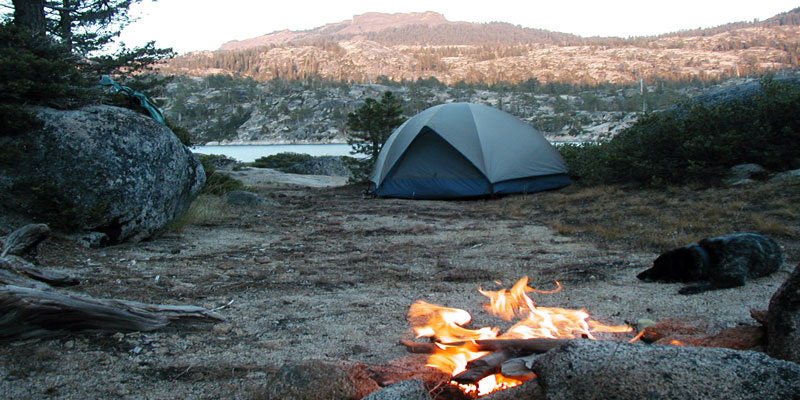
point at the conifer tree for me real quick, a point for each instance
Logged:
(85, 27)
(372, 123)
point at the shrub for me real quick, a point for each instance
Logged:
(695, 143)
(217, 183)
(281, 161)
(587, 164)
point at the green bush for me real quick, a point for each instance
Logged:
(217, 183)
(696, 143)
(586, 162)
(281, 161)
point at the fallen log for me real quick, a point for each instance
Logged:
(31, 308)
(24, 239)
(522, 346)
(25, 272)
(31, 312)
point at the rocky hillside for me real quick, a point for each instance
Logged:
(423, 45)
(222, 109)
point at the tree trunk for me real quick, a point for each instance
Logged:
(65, 24)
(30, 14)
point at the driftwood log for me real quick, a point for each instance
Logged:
(31, 307)
(24, 240)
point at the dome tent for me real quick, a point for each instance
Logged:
(459, 150)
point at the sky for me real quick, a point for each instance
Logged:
(191, 25)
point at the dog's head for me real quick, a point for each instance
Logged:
(677, 265)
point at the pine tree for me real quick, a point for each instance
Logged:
(372, 123)
(85, 27)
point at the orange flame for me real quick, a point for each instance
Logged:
(446, 325)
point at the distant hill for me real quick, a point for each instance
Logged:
(429, 28)
(424, 45)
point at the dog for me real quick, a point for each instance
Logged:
(717, 263)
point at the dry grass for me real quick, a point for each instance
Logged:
(660, 219)
(205, 210)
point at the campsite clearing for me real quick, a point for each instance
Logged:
(328, 275)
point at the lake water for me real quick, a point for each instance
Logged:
(249, 153)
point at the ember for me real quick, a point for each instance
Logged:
(474, 357)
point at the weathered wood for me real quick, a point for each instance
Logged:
(27, 270)
(522, 346)
(29, 312)
(24, 239)
(482, 367)
(29, 307)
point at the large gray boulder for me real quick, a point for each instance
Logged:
(330, 166)
(97, 169)
(783, 320)
(587, 369)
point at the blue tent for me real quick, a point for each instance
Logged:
(460, 150)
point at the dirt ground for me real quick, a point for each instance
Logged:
(328, 275)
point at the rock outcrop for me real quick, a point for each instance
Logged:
(585, 369)
(783, 323)
(331, 166)
(99, 169)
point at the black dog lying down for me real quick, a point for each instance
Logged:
(717, 263)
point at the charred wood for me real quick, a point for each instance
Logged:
(482, 367)
(521, 346)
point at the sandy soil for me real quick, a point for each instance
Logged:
(327, 275)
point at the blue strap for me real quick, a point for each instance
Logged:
(146, 103)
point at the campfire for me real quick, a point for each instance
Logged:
(483, 361)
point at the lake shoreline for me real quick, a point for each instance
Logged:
(249, 153)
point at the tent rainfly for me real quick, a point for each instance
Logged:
(461, 150)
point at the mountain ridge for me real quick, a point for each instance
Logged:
(359, 24)
(425, 45)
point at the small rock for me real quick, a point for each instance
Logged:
(748, 171)
(222, 329)
(785, 176)
(412, 389)
(93, 240)
(243, 198)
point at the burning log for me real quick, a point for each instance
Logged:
(479, 363)
(523, 347)
(482, 367)
(518, 368)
